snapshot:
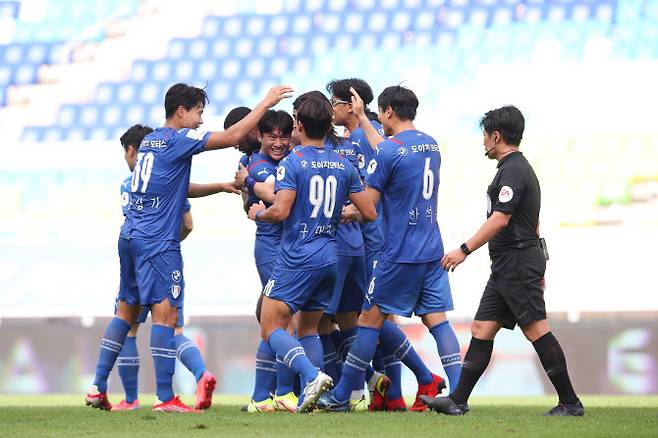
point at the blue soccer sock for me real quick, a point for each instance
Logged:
(394, 338)
(265, 384)
(313, 348)
(360, 355)
(111, 344)
(189, 355)
(330, 361)
(128, 363)
(378, 359)
(448, 348)
(393, 368)
(286, 378)
(293, 354)
(164, 360)
(343, 347)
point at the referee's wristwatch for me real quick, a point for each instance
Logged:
(465, 249)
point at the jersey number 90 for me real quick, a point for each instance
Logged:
(322, 195)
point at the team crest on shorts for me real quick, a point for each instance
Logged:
(175, 290)
(176, 276)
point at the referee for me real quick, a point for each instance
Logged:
(514, 293)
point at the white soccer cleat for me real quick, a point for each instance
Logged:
(314, 390)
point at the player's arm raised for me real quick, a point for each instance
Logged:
(278, 211)
(233, 135)
(358, 108)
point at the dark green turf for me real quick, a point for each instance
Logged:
(46, 416)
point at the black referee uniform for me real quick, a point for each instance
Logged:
(514, 293)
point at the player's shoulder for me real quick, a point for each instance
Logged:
(125, 185)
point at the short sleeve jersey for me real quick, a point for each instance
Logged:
(406, 173)
(514, 190)
(348, 236)
(160, 182)
(373, 231)
(322, 180)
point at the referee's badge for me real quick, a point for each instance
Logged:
(506, 194)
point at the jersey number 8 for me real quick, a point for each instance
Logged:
(143, 168)
(321, 192)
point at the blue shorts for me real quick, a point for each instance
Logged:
(302, 289)
(127, 277)
(158, 268)
(265, 272)
(407, 288)
(350, 286)
(372, 256)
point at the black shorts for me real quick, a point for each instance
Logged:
(514, 293)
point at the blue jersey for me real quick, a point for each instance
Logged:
(373, 237)
(262, 168)
(406, 173)
(348, 236)
(126, 227)
(244, 160)
(160, 182)
(322, 180)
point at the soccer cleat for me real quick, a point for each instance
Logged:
(266, 406)
(204, 390)
(174, 405)
(286, 403)
(444, 405)
(397, 405)
(327, 402)
(359, 405)
(125, 406)
(378, 385)
(432, 389)
(97, 399)
(313, 390)
(567, 410)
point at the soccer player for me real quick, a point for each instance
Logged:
(514, 293)
(186, 351)
(408, 277)
(313, 183)
(158, 188)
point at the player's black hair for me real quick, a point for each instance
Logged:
(315, 94)
(235, 115)
(507, 120)
(315, 113)
(341, 89)
(402, 101)
(184, 95)
(134, 136)
(272, 120)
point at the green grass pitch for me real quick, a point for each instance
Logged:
(66, 415)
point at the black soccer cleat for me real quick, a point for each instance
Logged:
(567, 410)
(445, 405)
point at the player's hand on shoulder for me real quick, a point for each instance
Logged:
(254, 209)
(277, 94)
(453, 259)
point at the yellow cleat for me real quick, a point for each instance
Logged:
(266, 406)
(359, 405)
(286, 403)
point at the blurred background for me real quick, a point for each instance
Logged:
(74, 75)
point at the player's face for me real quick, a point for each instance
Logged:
(342, 110)
(489, 143)
(130, 155)
(274, 144)
(385, 118)
(192, 118)
(295, 138)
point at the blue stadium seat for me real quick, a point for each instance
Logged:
(69, 115)
(9, 9)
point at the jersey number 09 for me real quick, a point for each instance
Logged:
(143, 168)
(322, 194)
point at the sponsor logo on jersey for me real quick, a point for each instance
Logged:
(403, 151)
(280, 173)
(506, 194)
(372, 166)
(125, 199)
(304, 164)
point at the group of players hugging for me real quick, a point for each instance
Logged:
(347, 238)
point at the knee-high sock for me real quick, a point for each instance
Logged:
(393, 368)
(128, 363)
(111, 344)
(448, 347)
(189, 355)
(265, 383)
(475, 362)
(555, 364)
(330, 361)
(392, 337)
(293, 354)
(378, 361)
(358, 358)
(286, 378)
(164, 360)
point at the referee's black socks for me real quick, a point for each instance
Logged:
(555, 364)
(475, 362)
